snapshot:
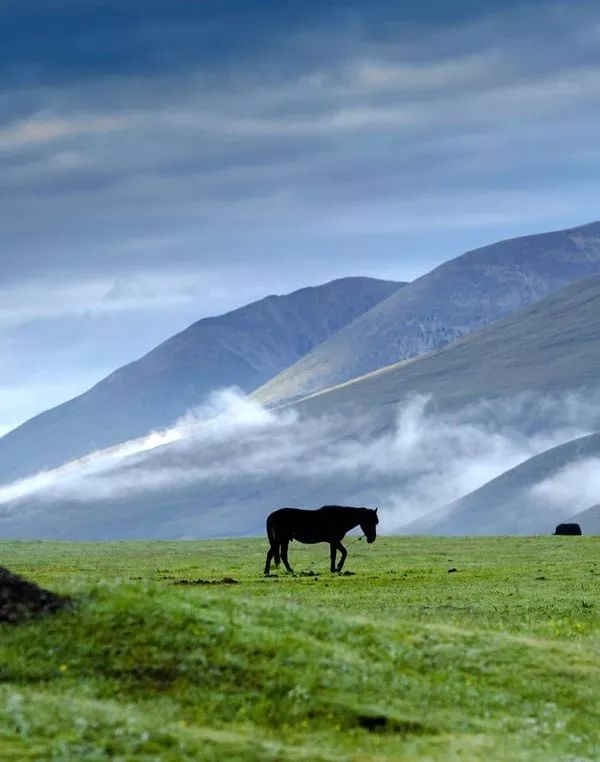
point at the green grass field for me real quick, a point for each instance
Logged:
(403, 660)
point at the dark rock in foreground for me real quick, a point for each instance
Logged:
(20, 599)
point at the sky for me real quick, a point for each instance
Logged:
(166, 160)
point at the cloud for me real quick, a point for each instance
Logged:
(574, 488)
(45, 299)
(247, 146)
(359, 116)
(227, 415)
(38, 130)
(232, 446)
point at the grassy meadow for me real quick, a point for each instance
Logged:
(402, 659)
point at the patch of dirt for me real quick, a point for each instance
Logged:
(224, 581)
(21, 599)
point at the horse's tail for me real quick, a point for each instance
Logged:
(273, 542)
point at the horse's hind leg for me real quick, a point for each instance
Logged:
(270, 554)
(332, 549)
(343, 554)
(284, 555)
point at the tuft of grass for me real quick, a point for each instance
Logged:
(400, 660)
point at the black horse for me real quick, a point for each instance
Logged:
(327, 524)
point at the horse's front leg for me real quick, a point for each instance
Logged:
(332, 549)
(343, 554)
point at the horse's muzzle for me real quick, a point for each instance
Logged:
(370, 540)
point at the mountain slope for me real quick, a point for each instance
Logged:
(525, 500)
(457, 298)
(224, 477)
(242, 348)
(550, 346)
(589, 520)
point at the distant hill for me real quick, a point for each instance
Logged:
(589, 520)
(510, 504)
(459, 297)
(242, 348)
(551, 346)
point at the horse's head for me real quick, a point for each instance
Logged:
(368, 522)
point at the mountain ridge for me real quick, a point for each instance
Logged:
(240, 348)
(458, 297)
(458, 375)
(589, 520)
(527, 340)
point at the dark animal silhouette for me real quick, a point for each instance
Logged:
(327, 524)
(568, 529)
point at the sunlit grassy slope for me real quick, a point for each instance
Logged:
(498, 660)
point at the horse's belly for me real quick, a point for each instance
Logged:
(307, 538)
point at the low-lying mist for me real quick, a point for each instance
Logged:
(576, 486)
(411, 463)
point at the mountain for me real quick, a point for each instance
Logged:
(457, 298)
(588, 520)
(344, 445)
(551, 346)
(242, 348)
(529, 499)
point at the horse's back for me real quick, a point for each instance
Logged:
(287, 513)
(325, 513)
(307, 525)
(283, 519)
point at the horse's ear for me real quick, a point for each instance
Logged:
(376, 509)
